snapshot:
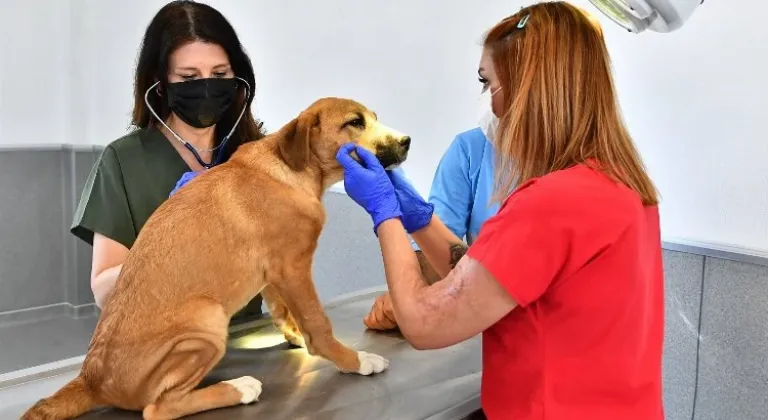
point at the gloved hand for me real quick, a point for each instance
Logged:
(368, 185)
(188, 176)
(417, 212)
(382, 316)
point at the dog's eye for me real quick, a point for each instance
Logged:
(357, 123)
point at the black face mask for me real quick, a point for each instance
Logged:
(201, 102)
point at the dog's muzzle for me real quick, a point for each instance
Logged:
(393, 153)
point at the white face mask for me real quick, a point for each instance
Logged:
(487, 121)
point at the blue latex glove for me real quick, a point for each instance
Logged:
(369, 186)
(188, 176)
(417, 212)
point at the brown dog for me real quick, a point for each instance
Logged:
(247, 226)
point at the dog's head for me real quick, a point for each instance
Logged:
(320, 130)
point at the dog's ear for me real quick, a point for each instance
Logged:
(294, 140)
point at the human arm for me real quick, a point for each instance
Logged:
(109, 255)
(445, 218)
(455, 188)
(451, 196)
(103, 219)
(107, 261)
(451, 193)
(382, 315)
(441, 247)
(438, 243)
(430, 275)
(541, 233)
(449, 311)
(465, 303)
(417, 213)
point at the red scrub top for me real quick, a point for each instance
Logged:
(581, 256)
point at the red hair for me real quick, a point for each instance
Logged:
(560, 107)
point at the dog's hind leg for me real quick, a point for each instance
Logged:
(298, 291)
(190, 357)
(244, 390)
(282, 317)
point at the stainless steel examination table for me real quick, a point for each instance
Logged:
(436, 384)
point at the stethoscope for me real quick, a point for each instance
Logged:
(189, 146)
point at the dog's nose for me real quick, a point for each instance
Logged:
(405, 142)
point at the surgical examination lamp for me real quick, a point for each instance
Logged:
(654, 15)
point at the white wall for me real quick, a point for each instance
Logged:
(35, 54)
(694, 99)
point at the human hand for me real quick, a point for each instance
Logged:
(368, 184)
(417, 212)
(185, 178)
(382, 316)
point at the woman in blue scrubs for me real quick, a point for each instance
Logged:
(461, 193)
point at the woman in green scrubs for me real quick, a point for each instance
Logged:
(192, 109)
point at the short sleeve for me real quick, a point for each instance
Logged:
(103, 206)
(451, 191)
(525, 245)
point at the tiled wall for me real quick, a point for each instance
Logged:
(716, 349)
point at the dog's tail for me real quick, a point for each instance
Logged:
(71, 401)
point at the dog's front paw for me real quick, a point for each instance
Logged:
(248, 387)
(371, 363)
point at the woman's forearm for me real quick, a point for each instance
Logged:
(103, 283)
(429, 273)
(441, 247)
(404, 278)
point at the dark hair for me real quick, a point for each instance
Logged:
(176, 24)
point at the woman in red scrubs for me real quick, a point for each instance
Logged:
(565, 283)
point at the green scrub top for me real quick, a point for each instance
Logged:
(133, 176)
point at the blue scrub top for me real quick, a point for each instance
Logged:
(463, 185)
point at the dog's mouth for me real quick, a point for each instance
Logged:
(391, 157)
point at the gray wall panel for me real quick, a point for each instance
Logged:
(83, 162)
(733, 367)
(69, 262)
(348, 257)
(683, 277)
(31, 257)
